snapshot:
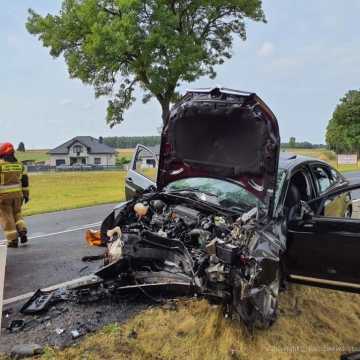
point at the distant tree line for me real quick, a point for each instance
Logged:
(129, 142)
(301, 145)
(124, 142)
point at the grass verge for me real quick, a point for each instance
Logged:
(325, 155)
(68, 190)
(313, 324)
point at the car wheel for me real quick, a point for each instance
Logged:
(259, 310)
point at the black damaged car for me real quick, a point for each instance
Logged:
(220, 213)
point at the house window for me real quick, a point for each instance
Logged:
(77, 149)
(150, 163)
(97, 161)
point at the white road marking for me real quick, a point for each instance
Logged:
(77, 281)
(82, 227)
(72, 229)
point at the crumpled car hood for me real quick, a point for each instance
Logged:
(221, 133)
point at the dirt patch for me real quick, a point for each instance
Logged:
(54, 328)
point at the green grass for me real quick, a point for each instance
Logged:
(325, 155)
(35, 155)
(68, 190)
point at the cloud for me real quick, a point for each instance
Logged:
(266, 49)
(65, 102)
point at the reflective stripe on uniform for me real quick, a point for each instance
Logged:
(25, 188)
(9, 188)
(20, 222)
(11, 235)
(11, 167)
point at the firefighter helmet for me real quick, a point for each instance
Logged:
(6, 149)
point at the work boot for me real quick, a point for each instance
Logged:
(23, 238)
(13, 244)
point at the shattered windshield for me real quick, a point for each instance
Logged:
(224, 193)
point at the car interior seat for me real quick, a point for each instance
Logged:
(299, 180)
(293, 197)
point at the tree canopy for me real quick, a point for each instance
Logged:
(118, 46)
(21, 147)
(128, 142)
(343, 130)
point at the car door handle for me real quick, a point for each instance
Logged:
(309, 225)
(129, 179)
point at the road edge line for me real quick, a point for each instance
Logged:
(69, 283)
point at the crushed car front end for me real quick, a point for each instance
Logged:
(184, 239)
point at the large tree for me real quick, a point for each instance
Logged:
(119, 45)
(343, 130)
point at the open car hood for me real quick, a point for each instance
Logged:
(225, 134)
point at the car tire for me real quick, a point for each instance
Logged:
(250, 313)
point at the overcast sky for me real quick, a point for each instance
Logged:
(301, 62)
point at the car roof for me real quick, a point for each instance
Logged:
(288, 161)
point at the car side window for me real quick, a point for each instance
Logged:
(145, 163)
(345, 205)
(324, 177)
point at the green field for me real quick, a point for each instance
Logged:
(34, 155)
(67, 190)
(325, 155)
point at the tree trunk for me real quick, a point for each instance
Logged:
(165, 107)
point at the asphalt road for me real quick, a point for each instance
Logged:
(55, 249)
(354, 176)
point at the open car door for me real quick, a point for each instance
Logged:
(142, 172)
(323, 246)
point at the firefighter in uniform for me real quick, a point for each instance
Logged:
(14, 190)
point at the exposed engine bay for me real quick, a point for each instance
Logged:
(167, 243)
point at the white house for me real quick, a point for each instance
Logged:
(147, 159)
(84, 150)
